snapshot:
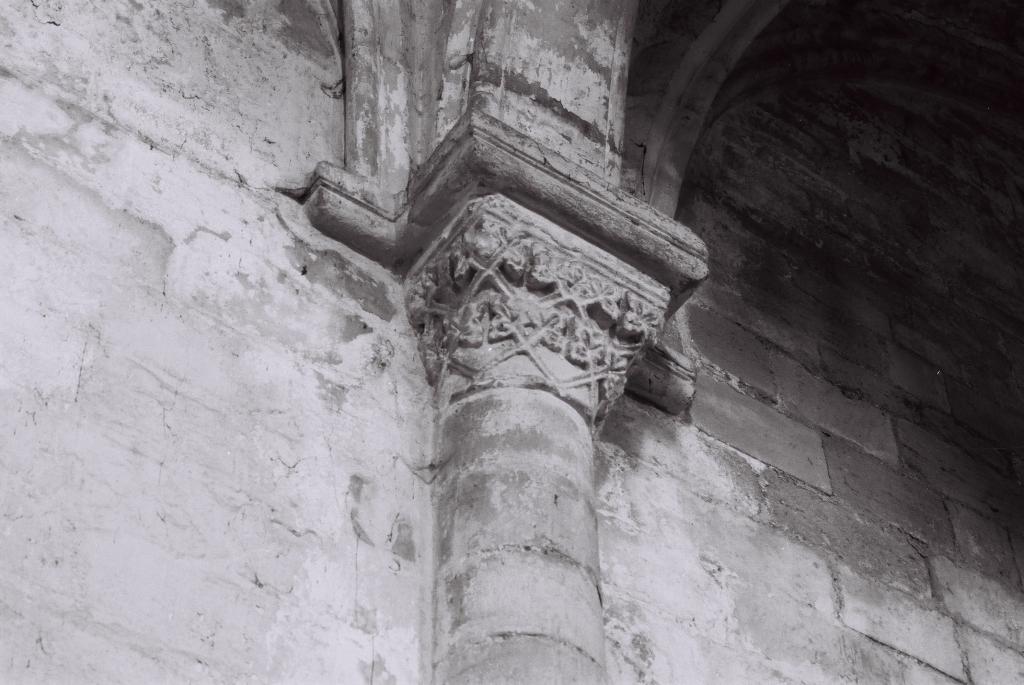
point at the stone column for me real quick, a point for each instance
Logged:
(527, 332)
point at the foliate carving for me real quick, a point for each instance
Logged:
(503, 290)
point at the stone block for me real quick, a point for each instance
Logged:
(790, 645)
(983, 450)
(994, 416)
(865, 543)
(845, 291)
(901, 622)
(824, 404)
(956, 473)
(704, 466)
(976, 599)
(984, 544)
(990, 662)
(644, 645)
(146, 83)
(731, 347)
(921, 378)
(912, 339)
(691, 558)
(771, 639)
(859, 382)
(663, 377)
(867, 484)
(793, 338)
(519, 659)
(760, 431)
(208, 400)
(549, 435)
(481, 511)
(859, 345)
(500, 595)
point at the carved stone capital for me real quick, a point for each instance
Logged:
(509, 299)
(482, 156)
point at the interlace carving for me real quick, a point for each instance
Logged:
(498, 292)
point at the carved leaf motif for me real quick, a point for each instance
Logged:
(542, 272)
(570, 273)
(486, 241)
(500, 284)
(472, 325)
(461, 267)
(515, 264)
(553, 336)
(635, 320)
(502, 327)
(586, 344)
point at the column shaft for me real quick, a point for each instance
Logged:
(516, 587)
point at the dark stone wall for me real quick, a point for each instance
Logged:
(844, 501)
(884, 224)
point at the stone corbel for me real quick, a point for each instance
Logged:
(482, 156)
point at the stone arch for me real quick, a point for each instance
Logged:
(691, 93)
(831, 134)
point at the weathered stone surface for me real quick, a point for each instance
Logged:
(213, 418)
(236, 93)
(986, 604)
(524, 659)
(990, 662)
(954, 472)
(650, 647)
(706, 554)
(665, 378)
(560, 73)
(1018, 549)
(760, 431)
(912, 339)
(710, 469)
(510, 461)
(997, 417)
(984, 544)
(731, 348)
(693, 591)
(918, 377)
(204, 449)
(514, 518)
(897, 620)
(874, 387)
(825, 405)
(771, 325)
(484, 602)
(646, 646)
(865, 483)
(864, 542)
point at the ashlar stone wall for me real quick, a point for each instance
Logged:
(843, 503)
(207, 408)
(213, 416)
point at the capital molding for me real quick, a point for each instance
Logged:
(482, 158)
(509, 299)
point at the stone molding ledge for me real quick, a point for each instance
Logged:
(483, 157)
